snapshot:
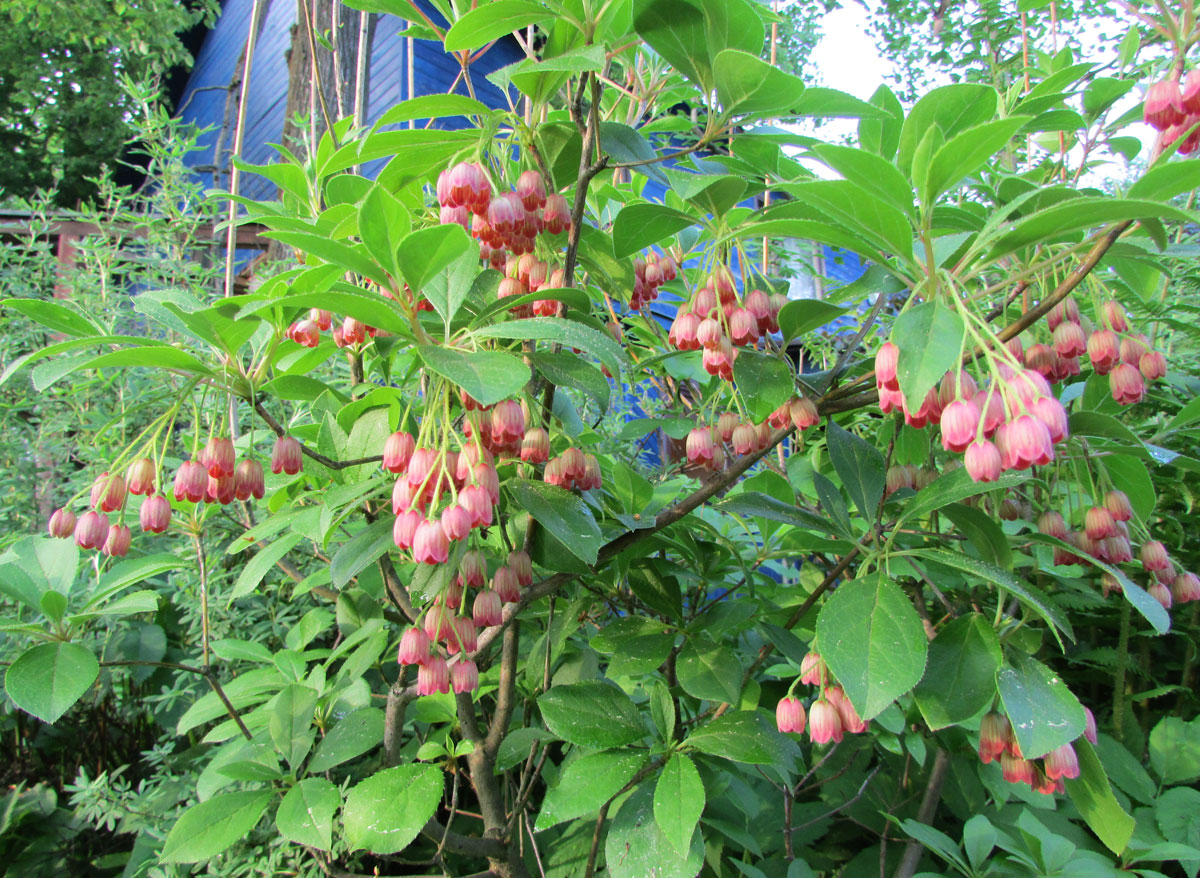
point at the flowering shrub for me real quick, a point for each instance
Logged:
(550, 652)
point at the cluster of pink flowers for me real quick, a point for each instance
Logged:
(349, 333)
(528, 274)
(506, 223)
(446, 633)
(717, 322)
(830, 716)
(1173, 110)
(997, 743)
(650, 272)
(573, 470)
(215, 476)
(708, 446)
(1012, 424)
(1104, 536)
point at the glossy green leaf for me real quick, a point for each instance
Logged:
(746, 736)
(585, 784)
(830, 103)
(261, 564)
(675, 30)
(566, 332)
(562, 513)
(567, 370)
(1092, 795)
(1177, 814)
(638, 226)
(207, 829)
(960, 675)
(291, 723)
(46, 680)
(858, 211)
(679, 801)
(950, 108)
(436, 106)
(860, 467)
(490, 21)
(1043, 711)
(53, 315)
(637, 847)
(305, 815)
(540, 78)
(357, 733)
(708, 670)
(384, 813)
(1077, 214)
(871, 172)
(881, 133)
(591, 714)
(929, 337)
(427, 252)
(982, 532)
(747, 84)
(951, 487)
(1175, 749)
(1027, 593)
(351, 257)
(360, 551)
(488, 376)
(873, 642)
(382, 222)
(967, 152)
(765, 382)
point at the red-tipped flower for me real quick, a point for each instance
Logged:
(155, 514)
(219, 457)
(248, 480)
(91, 530)
(116, 544)
(789, 715)
(108, 492)
(825, 723)
(62, 523)
(286, 456)
(141, 476)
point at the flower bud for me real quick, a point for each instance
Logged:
(433, 676)
(1016, 770)
(1104, 350)
(221, 490)
(286, 456)
(1185, 588)
(116, 544)
(464, 675)
(1152, 365)
(700, 445)
(1051, 524)
(1118, 506)
(1099, 523)
(487, 610)
(535, 446)
(108, 492)
(462, 636)
(218, 456)
(1127, 385)
(960, 422)
(886, 360)
(476, 500)
(531, 189)
(743, 326)
(430, 544)
(994, 732)
(709, 333)
(556, 215)
(248, 480)
(852, 723)
(415, 647)
(683, 332)
(1061, 762)
(322, 318)
(522, 566)
(1164, 105)
(825, 723)
(1112, 315)
(1089, 726)
(1154, 556)
(62, 523)
(91, 530)
(789, 715)
(983, 461)
(1160, 593)
(191, 481)
(398, 451)
(456, 521)
(155, 514)
(141, 476)
(404, 530)
(1069, 340)
(745, 438)
(803, 412)
(506, 585)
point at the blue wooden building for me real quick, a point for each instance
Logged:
(218, 61)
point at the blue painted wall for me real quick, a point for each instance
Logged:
(217, 60)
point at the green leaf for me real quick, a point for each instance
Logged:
(436, 106)
(1125, 770)
(451, 286)
(291, 722)
(1028, 594)
(765, 382)
(357, 733)
(1094, 798)
(662, 710)
(638, 226)
(566, 332)
(881, 134)
(952, 487)
(929, 337)
(710, 671)
(488, 376)
(305, 815)
(951, 108)
(252, 574)
(859, 211)
(830, 103)
(491, 21)
(348, 256)
(143, 356)
(585, 784)
(567, 370)
(860, 466)
(636, 847)
(45, 680)
(384, 813)
(872, 173)
(1043, 711)
(982, 532)
(361, 550)
(34, 565)
(1077, 214)
(804, 315)
(382, 222)
(562, 513)
(960, 675)
(873, 642)
(1163, 182)
(1175, 749)
(747, 84)
(679, 801)
(748, 737)
(1177, 813)
(675, 30)
(53, 315)
(966, 152)
(207, 829)
(541, 78)
(426, 252)
(591, 714)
